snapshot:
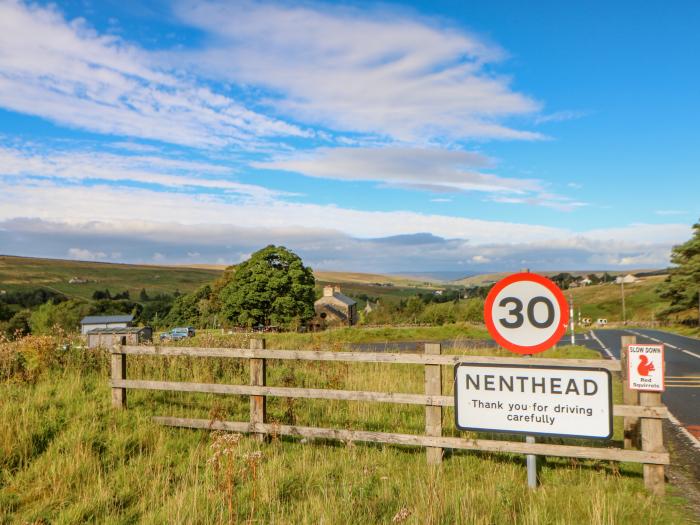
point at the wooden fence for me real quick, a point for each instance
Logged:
(650, 413)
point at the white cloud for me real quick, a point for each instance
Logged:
(429, 169)
(671, 212)
(66, 72)
(545, 199)
(84, 254)
(49, 201)
(374, 70)
(74, 166)
(333, 249)
(560, 116)
(140, 211)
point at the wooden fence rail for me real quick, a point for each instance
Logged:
(654, 456)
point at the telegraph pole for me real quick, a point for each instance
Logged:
(624, 313)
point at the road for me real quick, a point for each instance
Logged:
(682, 395)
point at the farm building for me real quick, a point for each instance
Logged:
(334, 309)
(92, 322)
(108, 337)
(627, 279)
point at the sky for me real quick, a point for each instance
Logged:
(381, 137)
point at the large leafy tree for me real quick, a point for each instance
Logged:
(190, 309)
(273, 287)
(682, 286)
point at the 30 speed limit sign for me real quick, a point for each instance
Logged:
(526, 313)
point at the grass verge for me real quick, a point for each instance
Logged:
(67, 457)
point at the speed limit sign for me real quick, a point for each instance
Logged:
(526, 313)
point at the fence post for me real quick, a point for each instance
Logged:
(629, 397)
(433, 414)
(652, 441)
(118, 374)
(257, 378)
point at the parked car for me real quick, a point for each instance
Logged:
(177, 334)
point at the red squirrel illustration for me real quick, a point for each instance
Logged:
(644, 366)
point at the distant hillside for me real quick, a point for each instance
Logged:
(56, 274)
(490, 278)
(642, 302)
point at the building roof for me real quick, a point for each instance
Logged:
(123, 330)
(336, 297)
(105, 319)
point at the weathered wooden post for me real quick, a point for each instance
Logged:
(257, 378)
(629, 397)
(652, 441)
(118, 374)
(433, 414)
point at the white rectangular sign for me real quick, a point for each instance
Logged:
(536, 400)
(645, 367)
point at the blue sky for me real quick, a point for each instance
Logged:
(463, 136)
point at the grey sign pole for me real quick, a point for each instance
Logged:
(531, 460)
(531, 465)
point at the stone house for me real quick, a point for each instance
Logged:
(334, 309)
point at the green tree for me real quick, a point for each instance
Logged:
(682, 285)
(190, 309)
(273, 287)
(18, 325)
(143, 296)
(66, 316)
(5, 313)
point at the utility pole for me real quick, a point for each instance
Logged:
(624, 313)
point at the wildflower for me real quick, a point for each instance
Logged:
(401, 516)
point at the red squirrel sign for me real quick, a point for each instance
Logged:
(646, 367)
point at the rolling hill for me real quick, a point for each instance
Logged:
(82, 278)
(55, 274)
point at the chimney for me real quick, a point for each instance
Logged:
(327, 291)
(336, 288)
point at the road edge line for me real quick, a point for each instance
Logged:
(694, 442)
(605, 348)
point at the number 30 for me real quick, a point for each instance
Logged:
(517, 310)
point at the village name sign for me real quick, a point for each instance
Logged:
(527, 313)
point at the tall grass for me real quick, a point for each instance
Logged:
(67, 457)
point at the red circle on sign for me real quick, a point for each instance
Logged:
(561, 302)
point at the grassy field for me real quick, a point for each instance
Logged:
(642, 302)
(341, 336)
(24, 272)
(67, 457)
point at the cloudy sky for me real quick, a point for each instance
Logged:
(461, 136)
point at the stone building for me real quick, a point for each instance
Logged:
(334, 309)
(108, 337)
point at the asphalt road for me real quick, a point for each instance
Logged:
(682, 354)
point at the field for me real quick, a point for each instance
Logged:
(67, 457)
(21, 273)
(642, 302)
